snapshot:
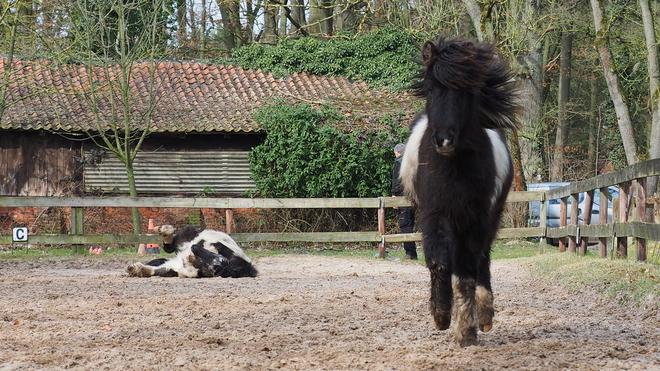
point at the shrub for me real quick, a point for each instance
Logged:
(305, 155)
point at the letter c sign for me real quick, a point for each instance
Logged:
(20, 234)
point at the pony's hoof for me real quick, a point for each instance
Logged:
(468, 342)
(467, 337)
(442, 320)
(486, 328)
(164, 230)
(138, 270)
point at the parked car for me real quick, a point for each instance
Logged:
(553, 206)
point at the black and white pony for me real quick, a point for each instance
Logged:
(199, 253)
(457, 171)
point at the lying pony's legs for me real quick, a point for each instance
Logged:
(157, 267)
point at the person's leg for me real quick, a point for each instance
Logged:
(407, 224)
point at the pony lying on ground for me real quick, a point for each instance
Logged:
(457, 171)
(199, 253)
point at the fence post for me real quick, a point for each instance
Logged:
(604, 200)
(381, 228)
(77, 228)
(622, 241)
(641, 217)
(572, 240)
(586, 220)
(563, 207)
(229, 221)
(543, 223)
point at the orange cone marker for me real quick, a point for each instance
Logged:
(152, 248)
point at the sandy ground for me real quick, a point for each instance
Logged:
(302, 313)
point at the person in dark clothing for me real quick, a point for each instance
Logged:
(406, 214)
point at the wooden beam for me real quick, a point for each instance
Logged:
(641, 217)
(622, 241)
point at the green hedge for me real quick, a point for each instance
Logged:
(305, 155)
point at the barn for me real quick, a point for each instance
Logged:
(198, 120)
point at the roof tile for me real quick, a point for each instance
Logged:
(190, 96)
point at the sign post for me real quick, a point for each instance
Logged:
(19, 236)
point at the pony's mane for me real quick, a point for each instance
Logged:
(475, 67)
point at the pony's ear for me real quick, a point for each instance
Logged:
(428, 50)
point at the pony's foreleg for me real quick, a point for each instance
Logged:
(484, 294)
(464, 285)
(465, 328)
(436, 252)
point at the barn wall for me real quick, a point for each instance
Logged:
(190, 172)
(36, 163)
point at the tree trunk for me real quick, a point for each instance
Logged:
(557, 166)
(594, 125)
(654, 88)
(270, 22)
(519, 181)
(474, 10)
(327, 21)
(8, 70)
(314, 17)
(227, 29)
(182, 21)
(346, 18)
(202, 30)
(132, 191)
(298, 13)
(620, 107)
(283, 21)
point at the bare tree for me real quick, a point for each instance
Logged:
(231, 22)
(620, 106)
(654, 85)
(523, 46)
(8, 24)
(557, 165)
(113, 38)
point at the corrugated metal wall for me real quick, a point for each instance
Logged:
(174, 172)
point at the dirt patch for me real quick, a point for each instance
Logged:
(302, 313)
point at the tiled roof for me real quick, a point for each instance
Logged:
(191, 96)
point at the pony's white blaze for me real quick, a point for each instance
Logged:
(410, 161)
(502, 162)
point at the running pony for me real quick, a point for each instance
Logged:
(457, 171)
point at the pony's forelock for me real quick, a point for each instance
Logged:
(461, 64)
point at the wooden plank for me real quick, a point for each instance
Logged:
(586, 219)
(622, 242)
(629, 173)
(572, 240)
(522, 196)
(403, 237)
(641, 217)
(563, 207)
(521, 232)
(218, 203)
(561, 232)
(597, 230)
(649, 231)
(526, 196)
(381, 230)
(91, 239)
(602, 240)
(308, 237)
(395, 202)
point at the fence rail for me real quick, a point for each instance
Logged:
(630, 180)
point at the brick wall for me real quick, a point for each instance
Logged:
(105, 219)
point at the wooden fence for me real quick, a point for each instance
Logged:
(631, 182)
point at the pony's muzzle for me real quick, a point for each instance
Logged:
(444, 144)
